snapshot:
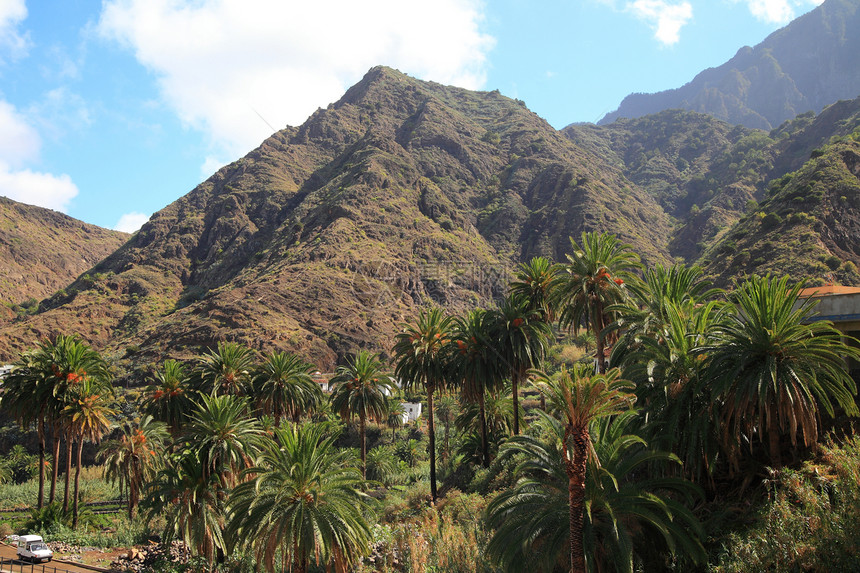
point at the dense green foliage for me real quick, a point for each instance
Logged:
(637, 468)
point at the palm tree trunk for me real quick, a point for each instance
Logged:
(69, 445)
(485, 447)
(363, 447)
(55, 443)
(132, 500)
(773, 439)
(597, 322)
(432, 431)
(77, 484)
(41, 498)
(515, 378)
(576, 498)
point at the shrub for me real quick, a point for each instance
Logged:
(771, 220)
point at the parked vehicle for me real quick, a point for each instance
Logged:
(33, 548)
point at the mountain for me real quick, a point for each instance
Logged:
(805, 66)
(330, 234)
(807, 226)
(41, 251)
(404, 193)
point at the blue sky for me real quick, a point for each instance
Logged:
(112, 109)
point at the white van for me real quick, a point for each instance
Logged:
(33, 548)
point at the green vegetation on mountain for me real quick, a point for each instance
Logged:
(406, 192)
(401, 193)
(42, 251)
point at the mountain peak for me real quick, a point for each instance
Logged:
(806, 65)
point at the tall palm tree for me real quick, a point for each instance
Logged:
(223, 437)
(304, 501)
(534, 281)
(359, 390)
(592, 280)
(499, 418)
(135, 457)
(284, 387)
(629, 509)
(476, 364)
(25, 399)
(226, 370)
(88, 420)
(169, 398)
(190, 500)
(38, 391)
(578, 400)
(773, 370)
(523, 336)
(420, 352)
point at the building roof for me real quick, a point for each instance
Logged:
(828, 290)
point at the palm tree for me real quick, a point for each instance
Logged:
(169, 399)
(190, 499)
(476, 363)
(393, 415)
(359, 391)
(629, 509)
(87, 413)
(25, 399)
(499, 418)
(223, 437)
(773, 370)
(592, 280)
(447, 408)
(661, 292)
(578, 400)
(671, 385)
(135, 457)
(226, 370)
(534, 281)
(523, 336)
(284, 387)
(303, 502)
(37, 392)
(421, 362)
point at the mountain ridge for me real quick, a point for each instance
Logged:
(404, 193)
(806, 65)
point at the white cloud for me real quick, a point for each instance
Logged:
(12, 13)
(19, 142)
(19, 145)
(233, 68)
(42, 189)
(131, 222)
(778, 11)
(666, 18)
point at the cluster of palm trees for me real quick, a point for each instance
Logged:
(228, 455)
(63, 388)
(686, 382)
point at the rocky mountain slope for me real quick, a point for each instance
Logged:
(42, 251)
(805, 66)
(330, 234)
(404, 193)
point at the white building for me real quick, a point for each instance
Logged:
(411, 411)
